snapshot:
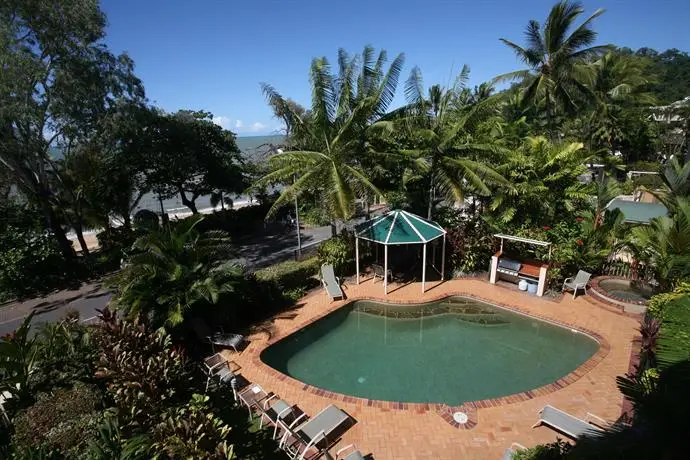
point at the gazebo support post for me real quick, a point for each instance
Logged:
(443, 257)
(357, 257)
(385, 269)
(424, 269)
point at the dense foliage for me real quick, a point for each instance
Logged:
(116, 390)
(174, 270)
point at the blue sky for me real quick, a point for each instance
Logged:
(212, 54)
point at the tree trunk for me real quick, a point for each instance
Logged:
(128, 221)
(54, 223)
(187, 202)
(334, 228)
(82, 242)
(431, 198)
(222, 201)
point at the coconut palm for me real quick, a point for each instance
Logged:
(444, 133)
(555, 76)
(175, 269)
(618, 83)
(329, 137)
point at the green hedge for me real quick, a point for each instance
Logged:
(674, 339)
(291, 274)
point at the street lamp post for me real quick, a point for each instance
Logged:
(299, 237)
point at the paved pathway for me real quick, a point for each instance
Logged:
(388, 432)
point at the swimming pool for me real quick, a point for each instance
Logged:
(450, 351)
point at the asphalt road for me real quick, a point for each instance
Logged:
(255, 253)
(86, 307)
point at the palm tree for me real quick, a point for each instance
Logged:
(445, 135)
(174, 270)
(326, 140)
(555, 58)
(618, 83)
(676, 182)
(664, 244)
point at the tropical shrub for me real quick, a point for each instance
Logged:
(314, 216)
(397, 200)
(337, 251)
(238, 223)
(674, 340)
(192, 431)
(176, 270)
(114, 244)
(291, 274)
(664, 244)
(64, 420)
(30, 262)
(66, 353)
(470, 243)
(659, 301)
(19, 362)
(142, 371)
(649, 332)
(146, 220)
(553, 451)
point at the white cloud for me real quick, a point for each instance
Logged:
(238, 126)
(222, 121)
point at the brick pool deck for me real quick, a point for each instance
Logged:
(389, 430)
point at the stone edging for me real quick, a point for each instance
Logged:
(444, 410)
(594, 286)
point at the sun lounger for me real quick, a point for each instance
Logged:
(278, 412)
(512, 450)
(216, 366)
(353, 455)
(252, 396)
(316, 435)
(331, 282)
(216, 339)
(579, 282)
(566, 423)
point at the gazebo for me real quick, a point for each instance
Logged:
(400, 228)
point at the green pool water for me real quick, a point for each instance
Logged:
(451, 351)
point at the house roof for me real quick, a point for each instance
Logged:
(399, 227)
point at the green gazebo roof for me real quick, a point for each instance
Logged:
(399, 227)
(638, 212)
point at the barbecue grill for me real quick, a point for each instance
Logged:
(509, 267)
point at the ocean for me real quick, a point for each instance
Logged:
(252, 148)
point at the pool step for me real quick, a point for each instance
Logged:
(465, 311)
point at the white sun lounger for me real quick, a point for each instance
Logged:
(315, 434)
(331, 282)
(566, 423)
(512, 450)
(354, 454)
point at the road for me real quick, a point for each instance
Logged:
(86, 307)
(255, 253)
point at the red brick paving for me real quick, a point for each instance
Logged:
(417, 431)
